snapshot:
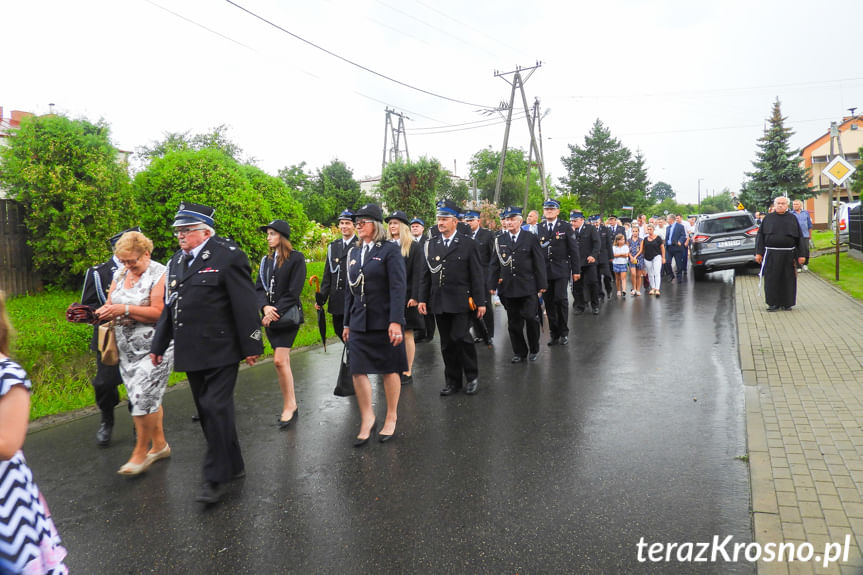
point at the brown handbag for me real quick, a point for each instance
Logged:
(108, 344)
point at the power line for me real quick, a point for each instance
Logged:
(497, 123)
(351, 62)
(457, 21)
(490, 121)
(190, 21)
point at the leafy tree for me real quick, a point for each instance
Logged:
(484, 166)
(724, 202)
(326, 194)
(216, 139)
(449, 188)
(75, 190)
(280, 200)
(856, 182)
(660, 191)
(411, 187)
(603, 174)
(207, 176)
(296, 177)
(778, 170)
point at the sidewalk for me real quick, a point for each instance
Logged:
(803, 376)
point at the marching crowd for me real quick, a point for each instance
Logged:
(388, 283)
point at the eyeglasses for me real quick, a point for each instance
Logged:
(129, 263)
(363, 222)
(186, 231)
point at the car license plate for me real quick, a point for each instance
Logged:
(728, 244)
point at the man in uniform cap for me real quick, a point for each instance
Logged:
(603, 266)
(589, 250)
(452, 276)
(485, 244)
(211, 315)
(418, 227)
(562, 264)
(518, 274)
(97, 281)
(333, 284)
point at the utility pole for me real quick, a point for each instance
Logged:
(517, 83)
(699, 194)
(834, 137)
(398, 135)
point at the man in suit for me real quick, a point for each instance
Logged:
(518, 273)
(485, 244)
(587, 238)
(97, 281)
(333, 284)
(603, 266)
(418, 228)
(451, 276)
(615, 228)
(532, 222)
(675, 246)
(211, 315)
(562, 264)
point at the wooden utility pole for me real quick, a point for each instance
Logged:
(518, 83)
(398, 135)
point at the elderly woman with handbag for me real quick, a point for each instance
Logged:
(280, 280)
(135, 302)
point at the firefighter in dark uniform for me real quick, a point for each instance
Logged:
(211, 314)
(333, 284)
(418, 227)
(452, 280)
(97, 281)
(518, 273)
(588, 249)
(485, 244)
(562, 265)
(606, 241)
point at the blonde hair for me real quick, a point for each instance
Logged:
(6, 331)
(133, 243)
(619, 237)
(405, 238)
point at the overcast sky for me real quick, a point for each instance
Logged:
(690, 84)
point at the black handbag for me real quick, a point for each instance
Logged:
(290, 319)
(345, 383)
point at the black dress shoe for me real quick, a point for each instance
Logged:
(103, 436)
(478, 339)
(360, 442)
(596, 310)
(407, 379)
(773, 308)
(196, 417)
(553, 341)
(210, 493)
(448, 390)
(564, 340)
(238, 475)
(471, 387)
(517, 359)
(579, 310)
(286, 424)
(382, 438)
(533, 356)
(787, 307)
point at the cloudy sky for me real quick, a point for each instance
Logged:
(690, 84)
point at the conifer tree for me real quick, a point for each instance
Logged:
(778, 169)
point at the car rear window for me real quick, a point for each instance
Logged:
(726, 224)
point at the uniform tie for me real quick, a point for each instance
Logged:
(365, 253)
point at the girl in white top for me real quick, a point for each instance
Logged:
(620, 263)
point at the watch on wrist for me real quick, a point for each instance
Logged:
(127, 310)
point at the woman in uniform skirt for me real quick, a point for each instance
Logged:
(280, 281)
(400, 234)
(375, 319)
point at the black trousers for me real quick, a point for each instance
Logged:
(456, 346)
(557, 306)
(339, 325)
(213, 391)
(429, 332)
(105, 386)
(487, 320)
(607, 278)
(521, 316)
(588, 281)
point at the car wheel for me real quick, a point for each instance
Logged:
(699, 274)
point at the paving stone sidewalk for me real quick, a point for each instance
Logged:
(803, 376)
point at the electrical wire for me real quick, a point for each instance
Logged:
(180, 16)
(494, 120)
(461, 129)
(351, 62)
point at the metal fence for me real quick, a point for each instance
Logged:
(16, 262)
(855, 228)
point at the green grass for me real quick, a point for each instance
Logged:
(823, 239)
(850, 272)
(56, 353)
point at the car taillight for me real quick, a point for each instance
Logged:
(842, 225)
(752, 232)
(699, 239)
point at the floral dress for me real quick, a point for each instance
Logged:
(634, 246)
(145, 383)
(29, 542)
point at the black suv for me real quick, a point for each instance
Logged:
(722, 241)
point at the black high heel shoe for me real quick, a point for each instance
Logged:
(384, 438)
(360, 442)
(285, 424)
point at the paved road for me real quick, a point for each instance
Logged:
(560, 466)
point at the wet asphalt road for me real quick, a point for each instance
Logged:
(559, 466)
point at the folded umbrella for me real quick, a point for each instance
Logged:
(322, 315)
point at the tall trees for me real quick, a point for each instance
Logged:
(324, 195)
(660, 191)
(76, 192)
(484, 167)
(412, 187)
(778, 170)
(603, 173)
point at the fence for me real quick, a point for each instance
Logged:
(855, 228)
(16, 262)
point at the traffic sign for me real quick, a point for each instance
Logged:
(839, 170)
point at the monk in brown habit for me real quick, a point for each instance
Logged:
(777, 247)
